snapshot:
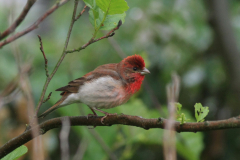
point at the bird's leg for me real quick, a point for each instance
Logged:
(106, 114)
(94, 113)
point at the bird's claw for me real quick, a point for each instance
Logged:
(108, 114)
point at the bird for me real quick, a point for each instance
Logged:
(105, 87)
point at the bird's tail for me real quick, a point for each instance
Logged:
(51, 109)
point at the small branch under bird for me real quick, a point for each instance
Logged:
(107, 86)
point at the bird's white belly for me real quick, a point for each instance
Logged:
(104, 92)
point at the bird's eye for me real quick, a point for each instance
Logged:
(134, 68)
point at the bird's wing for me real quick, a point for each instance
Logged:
(72, 86)
(101, 71)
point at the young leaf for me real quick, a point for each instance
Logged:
(112, 6)
(105, 14)
(111, 21)
(179, 107)
(14, 155)
(96, 17)
(181, 117)
(200, 112)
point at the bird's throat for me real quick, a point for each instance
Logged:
(133, 87)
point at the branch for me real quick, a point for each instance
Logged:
(47, 97)
(34, 25)
(80, 14)
(44, 56)
(49, 78)
(118, 119)
(65, 51)
(92, 40)
(19, 20)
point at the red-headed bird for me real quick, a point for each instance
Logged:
(107, 86)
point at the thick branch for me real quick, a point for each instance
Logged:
(34, 25)
(19, 20)
(118, 119)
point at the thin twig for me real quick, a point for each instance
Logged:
(19, 20)
(232, 123)
(47, 97)
(80, 14)
(24, 85)
(48, 79)
(44, 56)
(34, 25)
(65, 51)
(92, 40)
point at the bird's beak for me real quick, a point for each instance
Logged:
(145, 71)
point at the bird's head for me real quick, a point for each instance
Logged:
(133, 69)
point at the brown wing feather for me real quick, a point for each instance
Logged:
(107, 69)
(72, 86)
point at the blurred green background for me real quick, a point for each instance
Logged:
(199, 40)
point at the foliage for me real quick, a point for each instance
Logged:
(200, 112)
(172, 36)
(17, 153)
(181, 117)
(105, 14)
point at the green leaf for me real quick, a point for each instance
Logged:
(182, 118)
(112, 6)
(90, 3)
(14, 155)
(200, 112)
(111, 21)
(95, 17)
(105, 14)
(179, 107)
